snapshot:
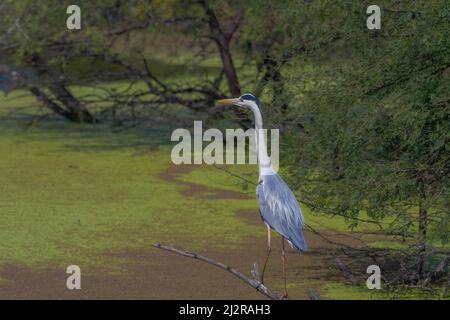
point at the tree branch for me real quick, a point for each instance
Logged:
(42, 97)
(251, 282)
(346, 271)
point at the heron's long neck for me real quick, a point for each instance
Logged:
(264, 164)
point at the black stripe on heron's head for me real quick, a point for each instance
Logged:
(249, 97)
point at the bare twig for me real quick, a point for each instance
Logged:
(346, 271)
(334, 242)
(313, 294)
(251, 282)
(439, 270)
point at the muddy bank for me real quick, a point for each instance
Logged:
(154, 274)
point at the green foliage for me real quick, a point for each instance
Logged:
(39, 27)
(376, 125)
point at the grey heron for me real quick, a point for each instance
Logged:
(278, 206)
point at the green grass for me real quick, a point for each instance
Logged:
(348, 292)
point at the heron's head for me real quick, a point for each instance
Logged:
(247, 100)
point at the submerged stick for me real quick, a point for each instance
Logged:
(260, 287)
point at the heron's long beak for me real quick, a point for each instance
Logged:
(227, 102)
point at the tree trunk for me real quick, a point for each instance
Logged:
(223, 43)
(274, 74)
(78, 110)
(230, 71)
(421, 239)
(50, 104)
(74, 109)
(223, 39)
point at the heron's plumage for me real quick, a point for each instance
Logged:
(278, 206)
(280, 210)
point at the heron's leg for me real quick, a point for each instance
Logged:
(283, 259)
(268, 253)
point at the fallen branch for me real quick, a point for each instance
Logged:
(346, 271)
(313, 294)
(260, 287)
(439, 271)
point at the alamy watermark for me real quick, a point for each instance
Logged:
(73, 281)
(73, 22)
(374, 280)
(374, 20)
(235, 147)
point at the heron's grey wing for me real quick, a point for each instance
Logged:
(280, 210)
